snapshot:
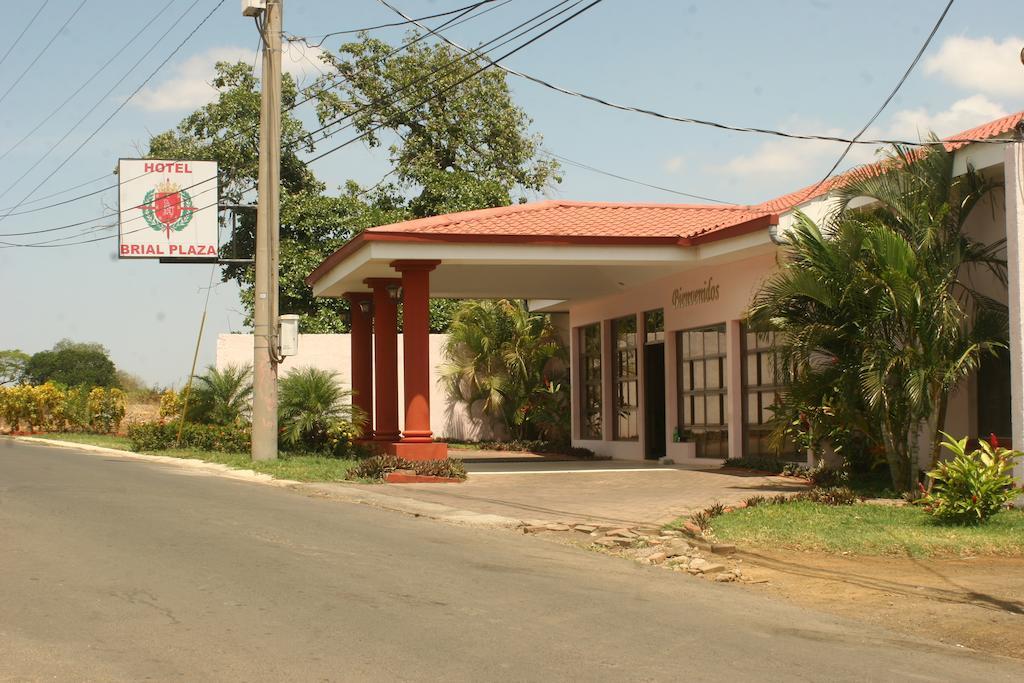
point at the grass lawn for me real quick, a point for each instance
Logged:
(867, 530)
(296, 466)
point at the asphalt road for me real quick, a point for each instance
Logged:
(114, 569)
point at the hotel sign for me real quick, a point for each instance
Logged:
(168, 209)
(682, 298)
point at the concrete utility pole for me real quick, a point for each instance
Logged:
(266, 353)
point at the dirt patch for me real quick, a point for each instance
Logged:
(974, 602)
(137, 413)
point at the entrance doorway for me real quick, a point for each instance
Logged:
(654, 400)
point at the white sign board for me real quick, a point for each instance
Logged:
(168, 209)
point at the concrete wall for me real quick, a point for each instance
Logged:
(332, 352)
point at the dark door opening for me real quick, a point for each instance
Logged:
(654, 400)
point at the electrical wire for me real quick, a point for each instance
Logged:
(41, 52)
(885, 103)
(692, 120)
(324, 36)
(594, 169)
(149, 22)
(10, 48)
(460, 18)
(489, 64)
(472, 54)
(299, 140)
(82, 119)
(122, 104)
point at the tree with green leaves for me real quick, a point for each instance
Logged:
(457, 142)
(468, 148)
(880, 302)
(12, 366)
(72, 364)
(501, 360)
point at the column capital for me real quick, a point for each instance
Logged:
(413, 265)
(355, 297)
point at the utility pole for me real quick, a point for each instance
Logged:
(266, 353)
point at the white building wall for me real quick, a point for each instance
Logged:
(333, 352)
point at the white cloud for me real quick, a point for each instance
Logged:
(778, 165)
(980, 64)
(782, 157)
(914, 124)
(673, 164)
(188, 86)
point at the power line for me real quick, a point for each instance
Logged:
(391, 97)
(10, 48)
(123, 103)
(82, 119)
(149, 22)
(451, 23)
(324, 36)
(594, 169)
(692, 120)
(888, 99)
(489, 64)
(42, 51)
(486, 66)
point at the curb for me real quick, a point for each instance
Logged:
(333, 490)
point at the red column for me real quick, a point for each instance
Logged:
(385, 344)
(417, 439)
(362, 355)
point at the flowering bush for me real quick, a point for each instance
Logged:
(106, 409)
(974, 485)
(170, 404)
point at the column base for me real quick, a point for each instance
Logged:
(418, 451)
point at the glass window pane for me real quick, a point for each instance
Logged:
(698, 375)
(713, 376)
(714, 414)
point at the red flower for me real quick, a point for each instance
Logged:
(993, 440)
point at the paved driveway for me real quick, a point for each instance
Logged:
(607, 492)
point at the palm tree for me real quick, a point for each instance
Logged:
(883, 294)
(500, 357)
(310, 403)
(222, 396)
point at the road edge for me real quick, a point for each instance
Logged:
(348, 493)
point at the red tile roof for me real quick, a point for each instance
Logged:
(565, 219)
(561, 222)
(983, 132)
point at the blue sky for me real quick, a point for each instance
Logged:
(799, 65)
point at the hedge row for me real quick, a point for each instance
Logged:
(159, 436)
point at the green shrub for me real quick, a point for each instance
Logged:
(974, 485)
(220, 397)
(315, 414)
(829, 495)
(828, 477)
(158, 436)
(378, 466)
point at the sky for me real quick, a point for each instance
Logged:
(806, 66)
